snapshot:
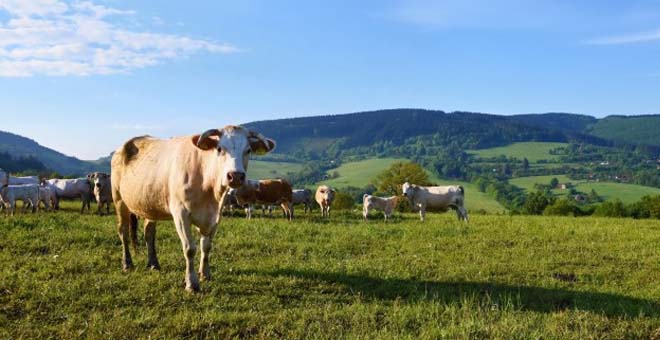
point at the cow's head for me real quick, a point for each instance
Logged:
(99, 180)
(327, 193)
(233, 146)
(409, 191)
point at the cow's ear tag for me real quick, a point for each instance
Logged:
(260, 151)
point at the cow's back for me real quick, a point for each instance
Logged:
(274, 191)
(140, 175)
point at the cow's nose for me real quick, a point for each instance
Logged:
(235, 178)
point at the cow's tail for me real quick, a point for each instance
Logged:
(132, 230)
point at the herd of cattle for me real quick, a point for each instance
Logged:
(191, 180)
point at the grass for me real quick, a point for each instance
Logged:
(534, 151)
(498, 277)
(266, 169)
(360, 174)
(627, 193)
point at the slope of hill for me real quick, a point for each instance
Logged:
(341, 132)
(19, 146)
(636, 129)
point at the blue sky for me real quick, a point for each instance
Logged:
(83, 76)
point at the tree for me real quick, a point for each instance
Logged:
(389, 181)
(561, 207)
(614, 208)
(343, 201)
(554, 182)
(535, 203)
(525, 164)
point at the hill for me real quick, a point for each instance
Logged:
(19, 146)
(636, 129)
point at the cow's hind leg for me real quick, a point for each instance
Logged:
(150, 238)
(124, 217)
(182, 223)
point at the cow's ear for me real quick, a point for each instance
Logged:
(259, 144)
(208, 143)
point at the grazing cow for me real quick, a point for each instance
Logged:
(71, 188)
(102, 191)
(265, 192)
(23, 180)
(385, 204)
(324, 197)
(28, 193)
(184, 179)
(440, 197)
(230, 202)
(302, 196)
(46, 196)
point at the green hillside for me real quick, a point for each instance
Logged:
(635, 129)
(627, 193)
(533, 151)
(266, 169)
(360, 174)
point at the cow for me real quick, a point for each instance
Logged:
(184, 179)
(23, 180)
(230, 202)
(440, 197)
(265, 192)
(102, 191)
(324, 197)
(46, 196)
(384, 204)
(302, 196)
(28, 193)
(71, 188)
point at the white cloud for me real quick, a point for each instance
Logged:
(639, 37)
(58, 38)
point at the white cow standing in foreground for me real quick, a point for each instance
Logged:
(184, 179)
(440, 197)
(384, 204)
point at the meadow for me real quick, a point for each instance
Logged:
(496, 277)
(360, 174)
(533, 151)
(627, 193)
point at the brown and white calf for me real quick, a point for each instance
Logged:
(265, 192)
(102, 189)
(439, 197)
(324, 197)
(184, 179)
(384, 204)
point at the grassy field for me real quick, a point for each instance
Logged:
(498, 277)
(627, 193)
(360, 174)
(534, 151)
(262, 169)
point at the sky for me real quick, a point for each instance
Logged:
(82, 77)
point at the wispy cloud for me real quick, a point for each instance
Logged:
(639, 37)
(58, 38)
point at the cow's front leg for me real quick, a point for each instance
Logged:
(182, 223)
(422, 212)
(205, 243)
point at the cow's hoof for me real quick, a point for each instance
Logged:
(153, 266)
(193, 289)
(204, 277)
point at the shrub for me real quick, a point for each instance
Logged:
(343, 201)
(614, 208)
(535, 203)
(561, 207)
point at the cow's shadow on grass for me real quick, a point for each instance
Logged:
(545, 300)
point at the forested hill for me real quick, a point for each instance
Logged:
(465, 129)
(21, 154)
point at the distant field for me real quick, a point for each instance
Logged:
(534, 151)
(627, 193)
(499, 277)
(262, 169)
(359, 174)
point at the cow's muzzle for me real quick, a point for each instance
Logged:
(235, 179)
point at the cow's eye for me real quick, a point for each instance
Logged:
(248, 151)
(221, 150)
